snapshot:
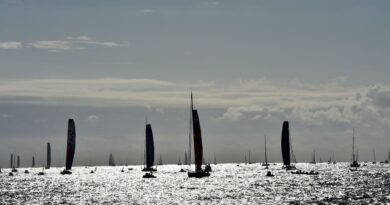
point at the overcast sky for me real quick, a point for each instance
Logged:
(322, 65)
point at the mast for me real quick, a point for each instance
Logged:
(11, 161)
(286, 144)
(190, 131)
(265, 149)
(18, 162)
(249, 159)
(71, 144)
(373, 150)
(33, 162)
(353, 144)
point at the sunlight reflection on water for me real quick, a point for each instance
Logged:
(228, 184)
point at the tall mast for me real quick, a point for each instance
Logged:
(265, 149)
(353, 144)
(146, 122)
(190, 132)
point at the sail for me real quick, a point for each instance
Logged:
(286, 143)
(18, 162)
(33, 162)
(48, 156)
(71, 144)
(198, 147)
(12, 161)
(111, 160)
(149, 146)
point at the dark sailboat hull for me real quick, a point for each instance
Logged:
(198, 174)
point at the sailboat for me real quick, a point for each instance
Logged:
(111, 160)
(215, 160)
(313, 161)
(249, 158)
(265, 153)
(14, 162)
(33, 162)
(48, 156)
(334, 159)
(354, 159)
(149, 152)
(71, 146)
(160, 162)
(373, 152)
(286, 147)
(198, 147)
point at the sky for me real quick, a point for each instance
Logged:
(321, 65)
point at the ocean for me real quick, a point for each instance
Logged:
(228, 184)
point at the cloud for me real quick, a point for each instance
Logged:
(69, 43)
(10, 45)
(53, 45)
(255, 99)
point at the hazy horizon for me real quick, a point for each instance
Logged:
(322, 66)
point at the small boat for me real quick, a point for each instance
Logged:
(208, 168)
(91, 172)
(198, 147)
(149, 149)
(26, 171)
(71, 147)
(373, 151)
(123, 170)
(182, 170)
(111, 160)
(269, 174)
(265, 164)
(313, 161)
(148, 175)
(42, 172)
(354, 163)
(286, 146)
(130, 169)
(11, 174)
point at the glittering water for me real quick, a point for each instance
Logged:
(228, 184)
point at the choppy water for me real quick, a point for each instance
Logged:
(228, 184)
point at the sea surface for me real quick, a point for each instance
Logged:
(228, 184)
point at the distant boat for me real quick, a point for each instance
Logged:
(33, 162)
(215, 160)
(373, 152)
(18, 162)
(313, 161)
(111, 160)
(71, 147)
(11, 164)
(246, 160)
(149, 149)
(198, 147)
(149, 152)
(286, 147)
(265, 153)
(42, 172)
(354, 163)
(249, 158)
(48, 156)
(179, 162)
(14, 162)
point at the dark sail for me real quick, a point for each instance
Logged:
(71, 144)
(286, 144)
(12, 161)
(33, 162)
(149, 146)
(185, 158)
(48, 156)
(198, 147)
(111, 160)
(18, 162)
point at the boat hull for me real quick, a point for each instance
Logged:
(199, 174)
